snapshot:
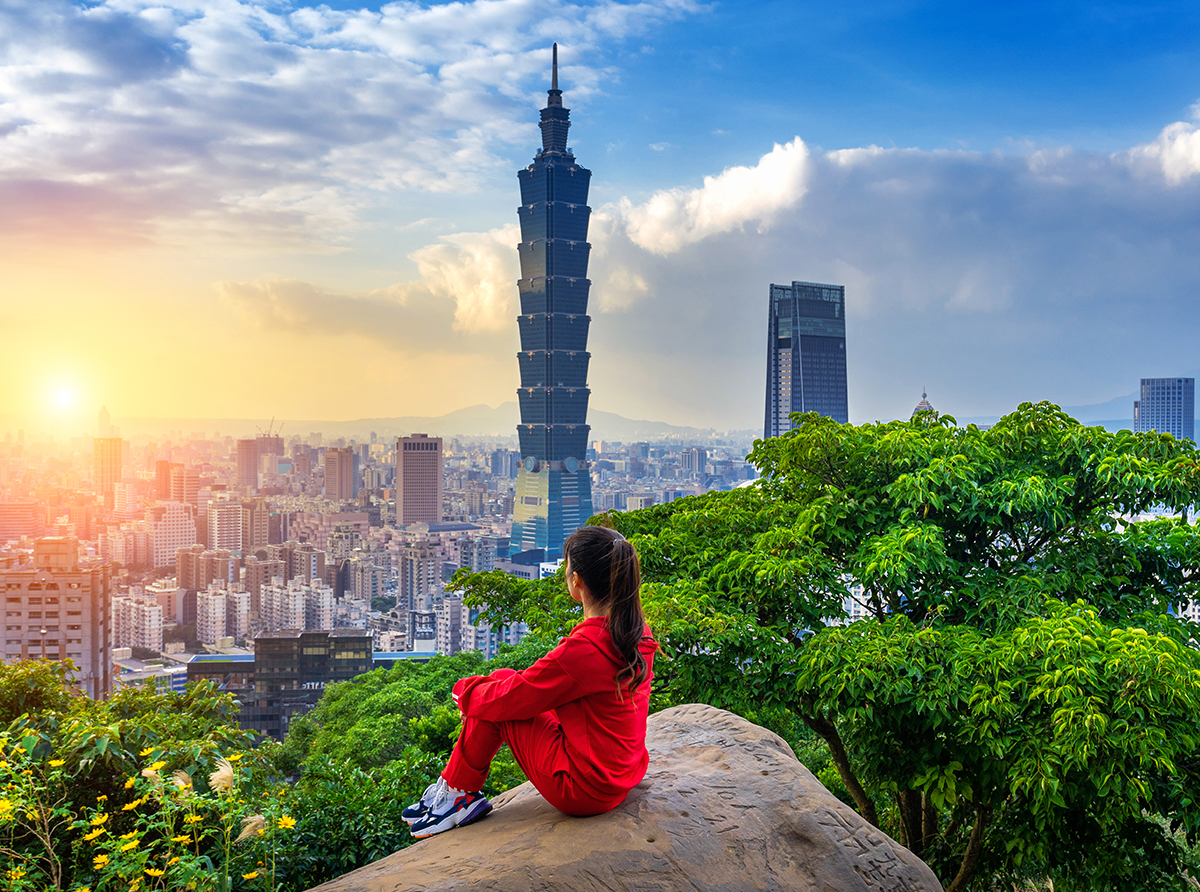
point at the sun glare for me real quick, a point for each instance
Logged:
(62, 397)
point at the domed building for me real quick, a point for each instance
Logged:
(922, 406)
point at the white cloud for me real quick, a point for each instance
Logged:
(1175, 153)
(673, 218)
(477, 271)
(248, 119)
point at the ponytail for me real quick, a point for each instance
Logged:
(610, 569)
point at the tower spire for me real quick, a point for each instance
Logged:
(554, 69)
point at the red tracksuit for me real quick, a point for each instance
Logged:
(580, 741)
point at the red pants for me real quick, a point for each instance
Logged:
(539, 746)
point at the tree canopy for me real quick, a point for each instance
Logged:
(1019, 700)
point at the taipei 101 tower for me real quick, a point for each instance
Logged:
(554, 485)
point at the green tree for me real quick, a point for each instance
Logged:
(1018, 607)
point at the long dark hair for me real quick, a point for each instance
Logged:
(609, 567)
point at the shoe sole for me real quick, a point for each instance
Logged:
(455, 819)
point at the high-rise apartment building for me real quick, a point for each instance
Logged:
(57, 609)
(171, 526)
(225, 525)
(1167, 405)
(210, 614)
(106, 470)
(418, 479)
(806, 354)
(247, 465)
(340, 465)
(554, 485)
(137, 620)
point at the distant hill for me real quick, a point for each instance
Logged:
(471, 421)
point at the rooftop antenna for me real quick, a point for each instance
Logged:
(554, 69)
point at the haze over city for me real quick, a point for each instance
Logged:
(244, 209)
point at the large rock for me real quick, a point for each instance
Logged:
(725, 806)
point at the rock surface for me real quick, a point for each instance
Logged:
(724, 806)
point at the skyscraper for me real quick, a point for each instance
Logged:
(1167, 405)
(554, 485)
(247, 465)
(418, 479)
(806, 354)
(339, 474)
(107, 469)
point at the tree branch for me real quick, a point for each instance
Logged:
(837, 750)
(970, 859)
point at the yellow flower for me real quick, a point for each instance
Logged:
(5, 807)
(234, 757)
(57, 763)
(130, 806)
(16, 873)
(137, 881)
(99, 819)
(99, 831)
(101, 798)
(99, 861)
(154, 872)
(174, 860)
(192, 819)
(84, 889)
(250, 876)
(129, 783)
(147, 751)
(132, 844)
(183, 838)
(130, 835)
(158, 766)
(286, 823)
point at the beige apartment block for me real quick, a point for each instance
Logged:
(57, 609)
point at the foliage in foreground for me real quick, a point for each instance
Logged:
(1019, 704)
(152, 790)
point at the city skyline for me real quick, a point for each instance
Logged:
(319, 197)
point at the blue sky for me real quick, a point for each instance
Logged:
(327, 194)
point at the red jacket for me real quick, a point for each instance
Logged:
(604, 730)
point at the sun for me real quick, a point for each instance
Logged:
(63, 397)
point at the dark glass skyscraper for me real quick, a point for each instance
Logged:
(554, 486)
(806, 354)
(1167, 405)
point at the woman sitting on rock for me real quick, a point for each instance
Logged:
(576, 719)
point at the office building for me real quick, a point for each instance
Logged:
(106, 469)
(292, 669)
(418, 479)
(57, 609)
(185, 484)
(21, 519)
(806, 354)
(256, 525)
(247, 466)
(554, 485)
(340, 465)
(1167, 405)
